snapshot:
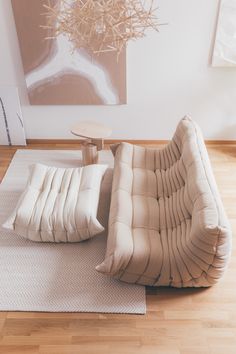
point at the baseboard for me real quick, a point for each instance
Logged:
(107, 141)
(115, 141)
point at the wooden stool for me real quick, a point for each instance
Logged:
(94, 134)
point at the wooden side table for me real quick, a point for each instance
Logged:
(94, 134)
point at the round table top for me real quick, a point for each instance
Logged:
(91, 130)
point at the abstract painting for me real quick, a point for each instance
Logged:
(11, 122)
(57, 75)
(225, 44)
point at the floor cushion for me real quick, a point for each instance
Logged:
(167, 225)
(59, 204)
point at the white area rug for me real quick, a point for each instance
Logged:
(58, 277)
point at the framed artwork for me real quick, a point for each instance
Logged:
(57, 75)
(11, 121)
(224, 54)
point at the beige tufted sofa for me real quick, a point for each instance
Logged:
(167, 226)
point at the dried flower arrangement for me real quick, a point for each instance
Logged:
(101, 25)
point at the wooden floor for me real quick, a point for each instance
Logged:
(185, 321)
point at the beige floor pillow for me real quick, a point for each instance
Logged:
(59, 204)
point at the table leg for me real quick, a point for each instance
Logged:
(89, 153)
(99, 143)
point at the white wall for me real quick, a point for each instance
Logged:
(168, 76)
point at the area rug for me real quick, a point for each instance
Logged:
(58, 277)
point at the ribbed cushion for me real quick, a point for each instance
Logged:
(59, 204)
(167, 226)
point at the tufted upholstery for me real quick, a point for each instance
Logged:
(167, 226)
(59, 204)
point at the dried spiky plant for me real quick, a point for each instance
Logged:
(101, 25)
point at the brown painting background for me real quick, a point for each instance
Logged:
(70, 88)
